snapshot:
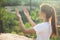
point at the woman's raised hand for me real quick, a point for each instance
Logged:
(26, 12)
(18, 14)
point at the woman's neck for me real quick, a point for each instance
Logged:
(45, 20)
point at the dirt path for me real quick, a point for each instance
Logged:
(8, 36)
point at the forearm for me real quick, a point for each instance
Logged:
(28, 17)
(22, 25)
(31, 21)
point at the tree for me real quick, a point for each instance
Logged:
(2, 14)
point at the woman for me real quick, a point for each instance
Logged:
(43, 30)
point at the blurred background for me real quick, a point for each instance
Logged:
(9, 22)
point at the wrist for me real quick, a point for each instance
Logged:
(19, 18)
(29, 18)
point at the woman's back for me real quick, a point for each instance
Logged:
(43, 31)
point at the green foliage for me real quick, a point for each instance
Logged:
(35, 15)
(27, 25)
(2, 2)
(2, 13)
(54, 38)
(10, 21)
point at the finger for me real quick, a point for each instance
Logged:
(17, 11)
(25, 11)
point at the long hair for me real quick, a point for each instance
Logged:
(50, 12)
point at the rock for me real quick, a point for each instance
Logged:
(8, 36)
